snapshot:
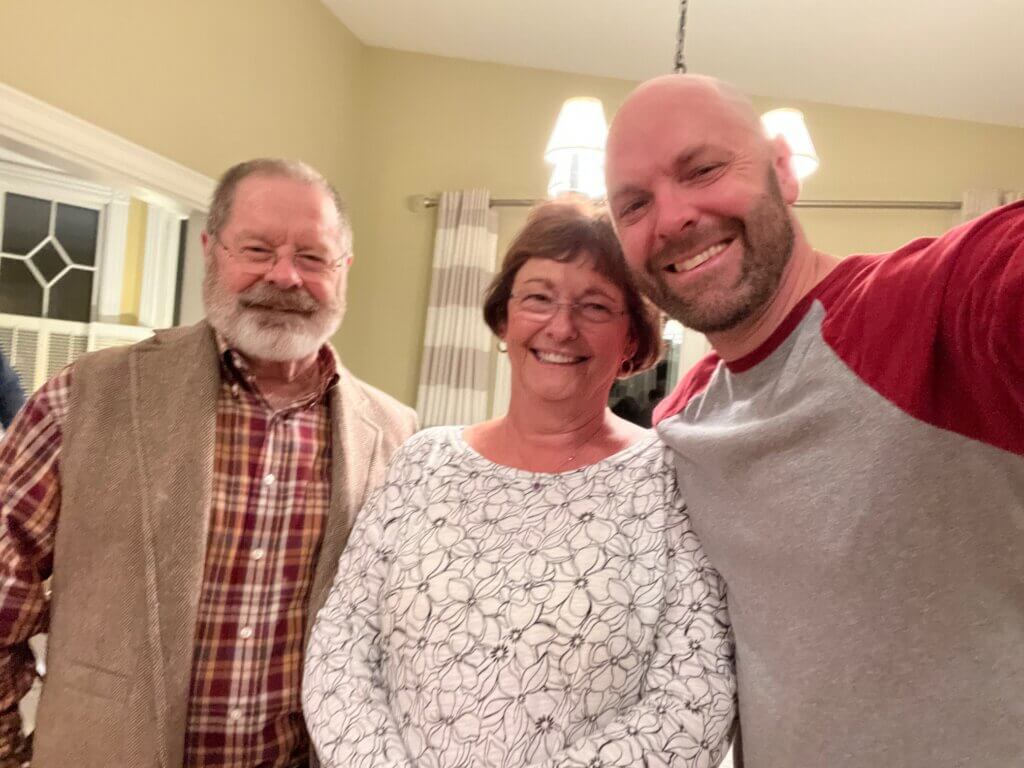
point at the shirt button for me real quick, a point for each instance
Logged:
(268, 479)
(235, 714)
(258, 554)
(245, 633)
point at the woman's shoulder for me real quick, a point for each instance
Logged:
(430, 442)
(647, 454)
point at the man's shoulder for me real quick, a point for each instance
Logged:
(693, 383)
(161, 339)
(378, 406)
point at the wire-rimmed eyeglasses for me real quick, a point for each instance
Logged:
(260, 259)
(543, 307)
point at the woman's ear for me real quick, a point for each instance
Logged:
(631, 344)
(502, 346)
(627, 366)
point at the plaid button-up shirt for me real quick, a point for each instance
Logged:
(271, 490)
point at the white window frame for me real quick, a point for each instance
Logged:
(50, 135)
(108, 275)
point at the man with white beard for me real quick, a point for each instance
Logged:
(189, 497)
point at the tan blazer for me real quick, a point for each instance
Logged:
(136, 469)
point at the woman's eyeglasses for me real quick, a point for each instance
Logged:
(544, 307)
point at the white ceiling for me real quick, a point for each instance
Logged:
(946, 58)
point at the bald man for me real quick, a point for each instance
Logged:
(852, 451)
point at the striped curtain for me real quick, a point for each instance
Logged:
(457, 345)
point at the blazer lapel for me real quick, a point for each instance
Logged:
(174, 386)
(355, 448)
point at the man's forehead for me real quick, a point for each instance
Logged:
(266, 186)
(698, 111)
(283, 197)
(668, 120)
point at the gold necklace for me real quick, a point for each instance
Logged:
(578, 448)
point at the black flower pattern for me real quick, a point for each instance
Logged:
(485, 617)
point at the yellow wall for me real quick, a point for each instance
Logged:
(211, 83)
(430, 124)
(871, 155)
(433, 123)
(134, 250)
(204, 82)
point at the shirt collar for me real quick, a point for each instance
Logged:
(236, 370)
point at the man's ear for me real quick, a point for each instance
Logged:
(206, 240)
(782, 163)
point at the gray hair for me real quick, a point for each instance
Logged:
(224, 193)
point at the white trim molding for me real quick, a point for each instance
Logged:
(53, 136)
(110, 290)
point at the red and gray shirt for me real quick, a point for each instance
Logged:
(859, 482)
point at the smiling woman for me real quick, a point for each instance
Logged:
(528, 590)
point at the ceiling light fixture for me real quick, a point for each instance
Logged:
(790, 124)
(576, 148)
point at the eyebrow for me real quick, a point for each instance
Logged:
(248, 234)
(685, 158)
(680, 161)
(588, 292)
(543, 281)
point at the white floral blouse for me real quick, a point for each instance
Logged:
(489, 616)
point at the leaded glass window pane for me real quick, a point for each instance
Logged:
(48, 261)
(71, 296)
(26, 223)
(20, 292)
(77, 230)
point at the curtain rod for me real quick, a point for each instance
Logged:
(422, 202)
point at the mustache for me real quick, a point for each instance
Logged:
(267, 296)
(701, 235)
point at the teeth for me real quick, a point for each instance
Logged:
(697, 260)
(554, 357)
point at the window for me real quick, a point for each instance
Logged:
(48, 258)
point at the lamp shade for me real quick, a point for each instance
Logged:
(789, 123)
(580, 127)
(576, 148)
(580, 172)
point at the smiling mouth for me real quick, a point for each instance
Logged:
(556, 358)
(272, 308)
(695, 261)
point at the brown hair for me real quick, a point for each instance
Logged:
(224, 193)
(565, 230)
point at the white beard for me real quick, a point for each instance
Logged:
(255, 337)
(268, 335)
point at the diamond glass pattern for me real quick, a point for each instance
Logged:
(48, 261)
